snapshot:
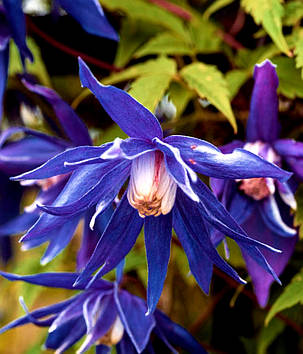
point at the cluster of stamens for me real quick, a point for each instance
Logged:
(151, 191)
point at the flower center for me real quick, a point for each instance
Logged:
(151, 189)
(114, 335)
(260, 188)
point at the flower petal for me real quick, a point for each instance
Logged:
(192, 231)
(90, 15)
(73, 126)
(117, 240)
(272, 218)
(288, 147)
(55, 166)
(263, 121)
(133, 118)
(4, 56)
(16, 19)
(132, 312)
(55, 280)
(205, 158)
(108, 186)
(158, 233)
(178, 335)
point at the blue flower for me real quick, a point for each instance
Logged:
(31, 151)
(163, 192)
(262, 205)
(105, 314)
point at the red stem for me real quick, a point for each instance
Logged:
(101, 64)
(173, 8)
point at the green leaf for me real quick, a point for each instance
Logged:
(209, 83)
(133, 34)
(180, 96)
(298, 219)
(165, 43)
(204, 36)
(153, 66)
(141, 10)
(247, 58)
(268, 334)
(291, 84)
(269, 13)
(150, 89)
(292, 295)
(215, 6)
(36, 68)
(293, 13)
(235, 79)
(299, 55)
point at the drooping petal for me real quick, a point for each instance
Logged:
(73, 126)
(19, 224)
(263, 116)
(260, 278)
(59, 239)
(37, 314)
(55, 166)
(102, 349)
(205, 158)
(191, 229)
(288, 147)
(55, 280)
(178, 335)
(91, 17)
(158, 233)
(117, 240)
(16, 19)
(271, 216)
(106, 317)
(132, 311)
(216, 214)
(90, 237)
(287, 195)
(296, 166)
(125, 346)
(134, 119)
(105, 190)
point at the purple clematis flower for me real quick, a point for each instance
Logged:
(262, 205)
(163, 192)
(105, 314)
(33, 150)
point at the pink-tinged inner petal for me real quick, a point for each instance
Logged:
(151, 191)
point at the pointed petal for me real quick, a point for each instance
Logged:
(287, 195)
(73, 126)
(16, 19)
(91, 17)
(108, 186)
(117, 240)
(296, 166)
(263, 121)
(54, 280)
(158, 233)
(40, 313)
(132, 312)
(271, 216)
(106, 317)
(55, 166)
(178, 335)
(134, 119)
(205, 158)
(195, 233)
(215, 213)
(125, 346)
(102, 349)
(288, 147)
(19, 224)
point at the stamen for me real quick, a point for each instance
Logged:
(114, 335)
(151, 191)
(255, 188)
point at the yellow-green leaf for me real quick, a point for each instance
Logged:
(209, 83)
(268, 334)
(293, 12)
(269, 13)
(298, 220)
(292, 295)
(235, 79)
(299, 55)
(215, 6)
(180, 96)
(165, 43)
